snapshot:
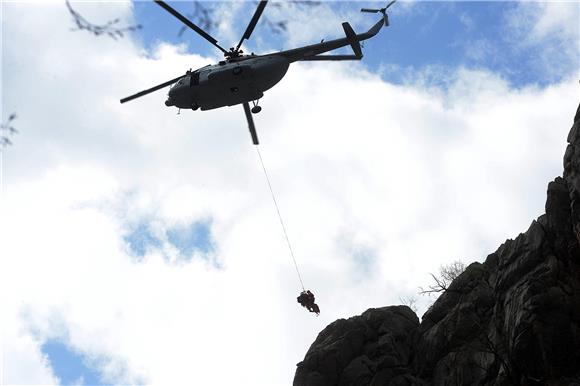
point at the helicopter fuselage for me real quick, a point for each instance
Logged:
(241, 79)
(228, 83)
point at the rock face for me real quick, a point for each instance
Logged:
(513, 320)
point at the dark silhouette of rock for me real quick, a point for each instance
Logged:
(513, 320)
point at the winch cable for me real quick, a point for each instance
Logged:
(280, 218)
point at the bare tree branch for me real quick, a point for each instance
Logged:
(7, 131)
(447, 273)
(276, 27)
(500, 352)
(409, 301)
(110, 29)
(203, 14)
(279, 26)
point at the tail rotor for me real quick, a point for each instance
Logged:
(382, 10)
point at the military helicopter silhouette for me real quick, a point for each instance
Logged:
(240, 79)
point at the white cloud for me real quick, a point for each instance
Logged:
(413, 175)
(552, 28)
(480, 50)
(553, 18)
(467, 21)
(22, 360)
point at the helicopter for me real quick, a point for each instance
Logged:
(240, 78)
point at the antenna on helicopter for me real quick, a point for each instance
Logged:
(382, 10)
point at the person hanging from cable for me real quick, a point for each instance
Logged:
(306, 299)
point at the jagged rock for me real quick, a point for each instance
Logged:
(572, 172)
(513, 320)
(356, 350)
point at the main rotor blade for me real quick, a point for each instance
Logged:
(188, 23)
(150, 90)
(253, 22)
(391, 3)
(370, 10)
(251, 123)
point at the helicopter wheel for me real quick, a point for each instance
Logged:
(256, 109)
(194, 106)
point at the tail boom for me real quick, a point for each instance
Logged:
(310, 52)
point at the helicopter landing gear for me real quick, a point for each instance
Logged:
(256, 109)
(194, 106)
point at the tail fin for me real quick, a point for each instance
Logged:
(352, 39)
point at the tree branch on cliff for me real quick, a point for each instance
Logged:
(409, 301)
(111, 28)
(498, 353)
(447, 273)
(499, 350)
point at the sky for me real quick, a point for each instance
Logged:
(142, 246)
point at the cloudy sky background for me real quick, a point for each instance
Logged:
(142, 246)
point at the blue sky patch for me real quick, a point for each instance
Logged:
(364, 259)
(70, 366)
(141, 240)
(187, 239)
(192, 238)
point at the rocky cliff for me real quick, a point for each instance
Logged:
(513, 320)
